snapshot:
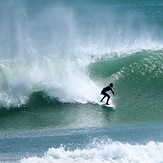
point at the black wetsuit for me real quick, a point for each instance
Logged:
(104, 90)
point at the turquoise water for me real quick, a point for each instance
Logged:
(56, 56)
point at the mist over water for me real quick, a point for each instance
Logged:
(73, 30)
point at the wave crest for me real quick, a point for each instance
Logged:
(106, 152)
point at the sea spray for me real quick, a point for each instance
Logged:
(63, 79)
(62, 29)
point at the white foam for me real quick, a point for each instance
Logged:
(110, 152)
(62, 78)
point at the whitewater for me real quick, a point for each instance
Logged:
(111, 152)
(55, 58)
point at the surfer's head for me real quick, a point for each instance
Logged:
(111, 84)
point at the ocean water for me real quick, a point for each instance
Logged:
(56, 56)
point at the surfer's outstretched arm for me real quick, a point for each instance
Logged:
(112, 91)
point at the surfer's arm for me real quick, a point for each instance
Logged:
(112, 91)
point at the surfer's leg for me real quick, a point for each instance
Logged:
(105, 95)
(107, 103)
(103, 98)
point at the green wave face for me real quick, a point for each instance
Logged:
(138, 84)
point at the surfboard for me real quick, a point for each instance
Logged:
(107, 106)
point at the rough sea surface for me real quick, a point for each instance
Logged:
(56, 56)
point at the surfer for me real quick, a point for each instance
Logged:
(104, 90)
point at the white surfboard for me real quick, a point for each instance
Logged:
(107, 106)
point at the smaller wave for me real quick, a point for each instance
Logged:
(40, 98)
(103, 152)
